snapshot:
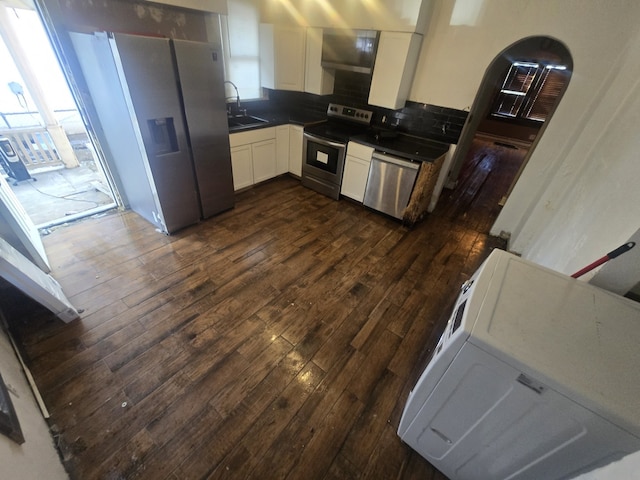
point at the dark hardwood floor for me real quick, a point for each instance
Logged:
(485, 178)
(277, 340)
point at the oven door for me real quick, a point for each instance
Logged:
(323, 164)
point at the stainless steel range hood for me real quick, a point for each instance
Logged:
(352, 50)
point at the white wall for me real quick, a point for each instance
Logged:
(625, 469)
(576, 199)
(37, 457)
(620, 276)
(392, 15)
(592, 204)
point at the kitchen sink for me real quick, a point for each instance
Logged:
(241, 121)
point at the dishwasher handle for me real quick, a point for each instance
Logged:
(402, 162)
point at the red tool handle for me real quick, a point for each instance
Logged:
(612, 254)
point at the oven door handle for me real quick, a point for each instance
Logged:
(322, 141)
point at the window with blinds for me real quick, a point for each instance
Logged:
(529, 91)
(241, 49)
(515, 88)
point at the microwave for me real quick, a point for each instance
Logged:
(352, 50)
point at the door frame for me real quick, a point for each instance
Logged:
(21, 233)
(533, 48)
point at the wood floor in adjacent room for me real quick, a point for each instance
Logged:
(277, 340)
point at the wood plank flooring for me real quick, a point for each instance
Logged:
(484, 179)
(277, 340)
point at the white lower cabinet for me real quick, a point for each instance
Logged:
(259, 155)
(295, 149)
(356, 171)
(242, 167)
(282, 149)
(253, 156)
(263, 155)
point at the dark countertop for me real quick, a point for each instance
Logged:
(388, 141)
(404, 145)
(273, 119)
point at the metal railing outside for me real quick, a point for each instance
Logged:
(33, 146)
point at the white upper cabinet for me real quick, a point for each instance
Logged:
(282, 52)
(394, 68)
(317, 80)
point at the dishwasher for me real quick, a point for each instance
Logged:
(390, 184)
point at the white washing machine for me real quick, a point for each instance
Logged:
(536, 376)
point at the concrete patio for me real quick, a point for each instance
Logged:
(54, 195)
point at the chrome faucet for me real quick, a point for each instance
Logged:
(238, 106)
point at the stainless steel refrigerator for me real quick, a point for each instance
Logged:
(162, 123)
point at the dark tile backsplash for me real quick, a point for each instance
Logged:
(421, 119)
(440, 123)
(351, 87)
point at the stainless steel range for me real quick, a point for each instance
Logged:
(325, 147)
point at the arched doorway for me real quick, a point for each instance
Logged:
(517, 97)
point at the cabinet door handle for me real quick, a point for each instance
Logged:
(441, 435)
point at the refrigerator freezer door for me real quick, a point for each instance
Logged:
(150, 76)
(201, 77)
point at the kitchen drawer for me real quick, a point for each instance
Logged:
(252, 136)
(360, 151)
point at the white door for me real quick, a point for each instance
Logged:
(18, 229)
